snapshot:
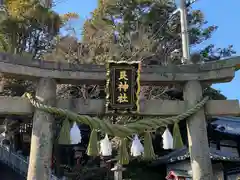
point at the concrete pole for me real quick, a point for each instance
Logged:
(196, 124)
(184, 31)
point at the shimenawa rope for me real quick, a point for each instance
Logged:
(122, 131)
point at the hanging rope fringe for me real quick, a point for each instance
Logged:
(177, 138)
(64, 136)
(93, 149)
(123, 152)
(148, 153)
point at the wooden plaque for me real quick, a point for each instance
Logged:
(123, 87)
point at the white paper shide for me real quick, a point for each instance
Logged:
(105, 146)
(75, 134)
(137, 147)
(167, 139)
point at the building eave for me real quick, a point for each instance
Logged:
(183, 154)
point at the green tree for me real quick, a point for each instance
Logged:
(28, 29)
(145, 30)
(31, 30)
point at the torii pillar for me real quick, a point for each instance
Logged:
(42, 133)
(196, 125)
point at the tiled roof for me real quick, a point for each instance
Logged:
(227, 125)
(183, 154)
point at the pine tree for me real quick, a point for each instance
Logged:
(28, 30)
(145, 30)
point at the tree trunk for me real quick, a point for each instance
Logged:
(197, 134)
(42, 135)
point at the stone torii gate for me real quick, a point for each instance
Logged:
(48, 74)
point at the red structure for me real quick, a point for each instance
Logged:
(178, 175)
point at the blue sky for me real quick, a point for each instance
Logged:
(225, 14)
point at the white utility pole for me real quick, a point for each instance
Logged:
(46, 3)
(184, 31)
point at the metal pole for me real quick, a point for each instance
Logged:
(184, 31)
